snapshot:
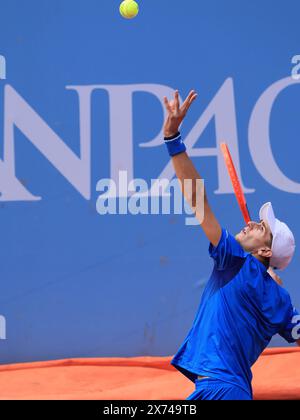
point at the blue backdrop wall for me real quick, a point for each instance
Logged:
(81, 100)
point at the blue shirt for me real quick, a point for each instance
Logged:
(241, 309)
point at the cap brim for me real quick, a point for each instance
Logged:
(266, 213)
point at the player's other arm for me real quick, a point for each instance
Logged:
(291, 331)
(184, 167)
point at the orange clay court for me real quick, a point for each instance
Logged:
(276, 377)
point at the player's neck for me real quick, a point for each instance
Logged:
(271, 272)
(261, 259)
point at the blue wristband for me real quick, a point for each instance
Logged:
(175, 145)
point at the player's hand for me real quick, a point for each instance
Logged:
(176, 113)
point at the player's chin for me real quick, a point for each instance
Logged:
(238, 237)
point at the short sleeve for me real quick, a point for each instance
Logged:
(291, 330)
(227, 252)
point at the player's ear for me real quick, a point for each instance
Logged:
(265, 252)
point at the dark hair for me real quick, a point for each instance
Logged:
(267, 259)
(269, 244)
(271, 238)
(268, 262)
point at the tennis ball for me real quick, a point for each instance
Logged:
(129, 9)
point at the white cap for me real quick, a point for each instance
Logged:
(283, 244)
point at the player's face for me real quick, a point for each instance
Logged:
(255, 236)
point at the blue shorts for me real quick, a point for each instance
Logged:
(214, 389)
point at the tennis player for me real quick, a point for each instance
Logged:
(242, 306)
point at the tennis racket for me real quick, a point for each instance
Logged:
(239, 194)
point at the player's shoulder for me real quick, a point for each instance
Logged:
(227, 235)
(228, 243)
(227, 254)
(234, 242)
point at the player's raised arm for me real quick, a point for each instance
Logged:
(184, 167)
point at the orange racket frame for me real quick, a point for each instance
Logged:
(239, 194)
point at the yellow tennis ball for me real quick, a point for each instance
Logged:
(129, 9)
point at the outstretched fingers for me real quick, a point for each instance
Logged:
(175, 104)
(189, 100)
(167, 105)
(176, 101)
